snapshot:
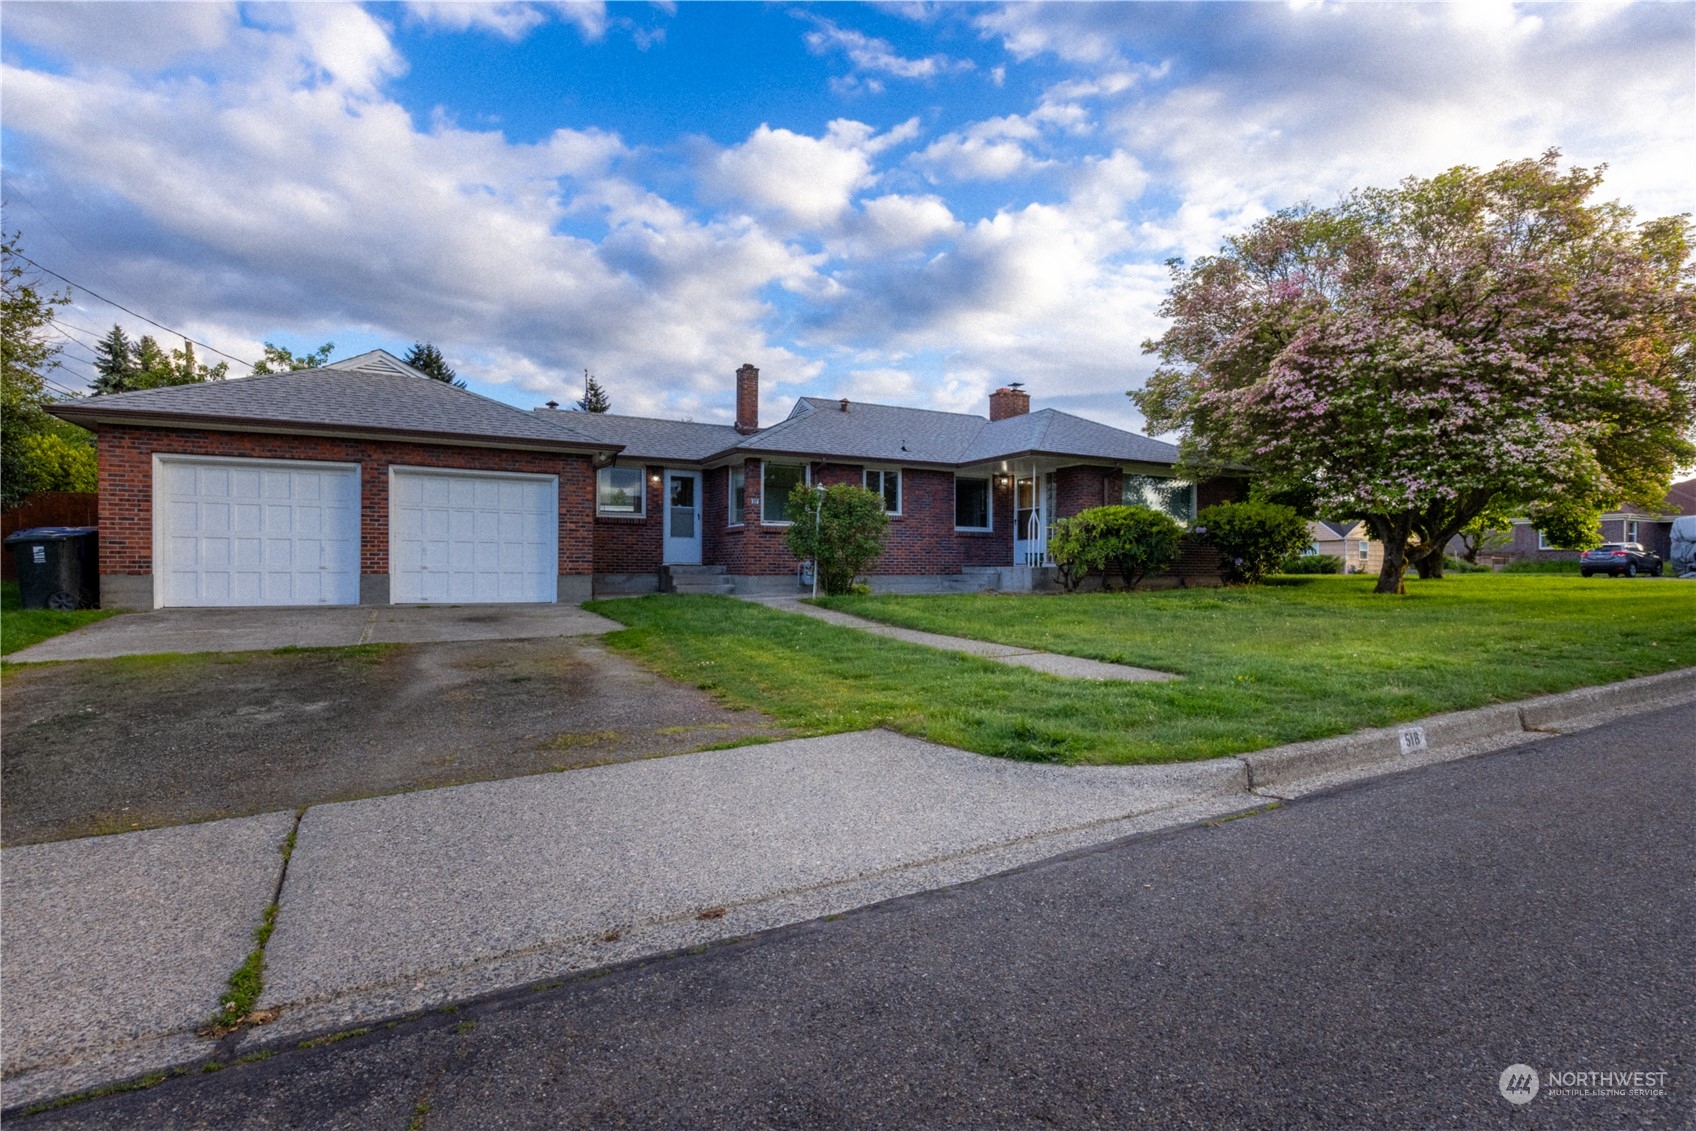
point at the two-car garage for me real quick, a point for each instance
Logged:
(361, 482)
(247, 532)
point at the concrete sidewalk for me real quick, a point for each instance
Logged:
(254, 630)
(116, 948)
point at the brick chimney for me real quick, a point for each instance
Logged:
(1005, 402)
(747, 400)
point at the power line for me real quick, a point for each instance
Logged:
(132, 313)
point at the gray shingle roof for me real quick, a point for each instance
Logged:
(868, 432)
(373, 393)
(886, 433)
(643, 437)
(1051, 432)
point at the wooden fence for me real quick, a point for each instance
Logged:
(47, 508)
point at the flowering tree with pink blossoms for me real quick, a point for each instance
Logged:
(1415, 356)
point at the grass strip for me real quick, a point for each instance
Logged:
(1297, 660)
(21, 627)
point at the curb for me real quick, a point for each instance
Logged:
(1548, 714)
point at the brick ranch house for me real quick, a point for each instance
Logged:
(366, 482)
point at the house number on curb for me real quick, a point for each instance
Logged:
(1413, 738)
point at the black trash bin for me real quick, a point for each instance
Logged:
(58, 567)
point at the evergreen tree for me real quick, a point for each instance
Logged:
(594, 397)
(115, 363)
(428, 360)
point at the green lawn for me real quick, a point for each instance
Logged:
(1298, 659)
(20, 627)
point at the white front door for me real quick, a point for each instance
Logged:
(1031, 506)
(682, 518)
(467, 537)
(236, 532)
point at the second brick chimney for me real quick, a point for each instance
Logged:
(1005, 402)
(747, 400)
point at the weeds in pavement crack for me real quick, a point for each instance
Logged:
(247, 981)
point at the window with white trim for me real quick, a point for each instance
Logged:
(738, 494)
(1543, 541)
(886, 484)
(972, 503)
(776, 481)
(618, 492)
(1365, 549)
(1631, 532)
(1175, 497)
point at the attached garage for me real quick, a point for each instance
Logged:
(248, 532)
(359, 482)
(467, 537)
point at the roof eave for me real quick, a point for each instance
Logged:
(88, 415)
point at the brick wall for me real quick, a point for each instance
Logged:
(1080, 488)
(634, 545)
(126, 486)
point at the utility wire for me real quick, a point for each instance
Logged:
(133, 314)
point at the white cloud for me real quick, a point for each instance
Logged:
(876, 56)
(509, 21)
(144, 37)
(796, 181)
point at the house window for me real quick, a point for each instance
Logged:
(1543, 541)
(887, 484)
(1169, 496)
(971, 503)
(1631, 532)
(776, 481)
(1365, 549)
(618, 491)
(738, 494)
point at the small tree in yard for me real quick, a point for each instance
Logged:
(1253, 538)
(1137, 540)
(1414, 356)
(840, 528)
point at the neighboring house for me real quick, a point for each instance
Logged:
(1350, 541)
(1653, 529)
(366, 482)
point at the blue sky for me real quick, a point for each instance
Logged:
(902, 203)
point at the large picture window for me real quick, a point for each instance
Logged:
(1175, 497)
(776, 481)
(971, 503)
(618, 491)
(888, 485)
(738, 495)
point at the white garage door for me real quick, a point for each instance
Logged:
(255, 532)
(465, 537)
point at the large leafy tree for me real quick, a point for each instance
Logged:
(37, 452)
(280, 359)
(427, 359)
(1419, 355)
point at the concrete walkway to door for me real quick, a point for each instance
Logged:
(1069, 667)
(252, 630)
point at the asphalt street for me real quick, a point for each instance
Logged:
(1372, 957)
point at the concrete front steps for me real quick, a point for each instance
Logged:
(708, 579)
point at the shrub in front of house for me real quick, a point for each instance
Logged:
(1252, 538)
(1311, 563)
(841, 529)
(1137, 541)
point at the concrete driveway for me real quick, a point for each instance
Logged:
(256, 630)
